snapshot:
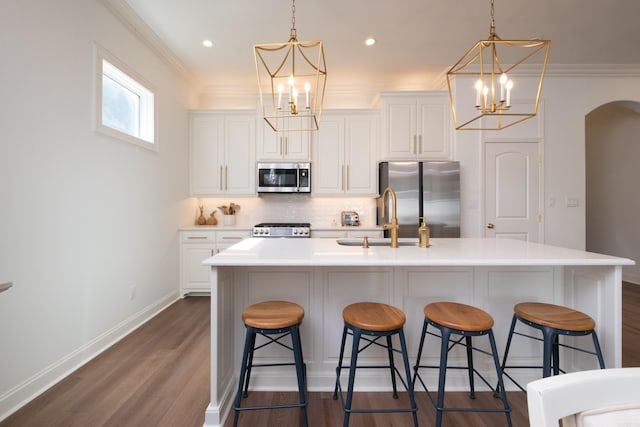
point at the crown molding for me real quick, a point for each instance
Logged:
(593, 70)
(125, 14)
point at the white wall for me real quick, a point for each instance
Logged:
(613, 197)
(86, 221)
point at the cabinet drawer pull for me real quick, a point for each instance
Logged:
(196, 237)
(231, 238)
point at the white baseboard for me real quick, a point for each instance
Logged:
(23, 393)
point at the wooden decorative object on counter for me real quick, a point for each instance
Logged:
(212, 220)
(201, 219)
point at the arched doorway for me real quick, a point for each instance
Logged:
(612, 153)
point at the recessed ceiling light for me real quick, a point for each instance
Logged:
(370, 41)
(207, 43)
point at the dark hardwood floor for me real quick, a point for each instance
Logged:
(159, 376)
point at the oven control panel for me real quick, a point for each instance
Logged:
(282, 230)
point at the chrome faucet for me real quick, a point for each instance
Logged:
(393, 225)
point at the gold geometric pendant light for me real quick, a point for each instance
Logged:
(495, 82)
(292, 81)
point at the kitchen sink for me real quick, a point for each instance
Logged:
(378, 242)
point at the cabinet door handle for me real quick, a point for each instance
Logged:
(286, 145)
(226, 178)
(343, 178)
(414, 149)
(346, 177)
(419, 144)
(221, 169)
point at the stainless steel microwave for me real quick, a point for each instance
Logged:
(284, 177)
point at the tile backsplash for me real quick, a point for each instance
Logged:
(320, 212)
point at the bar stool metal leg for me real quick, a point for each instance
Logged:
(392, 367)
(465, 322)
(375, 321)
(442, 374)
(300, 372)
(552, 321)
(275, 321)
(339, 367)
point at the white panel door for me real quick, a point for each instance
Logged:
(512, 190)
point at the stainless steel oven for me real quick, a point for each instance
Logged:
(284, 177)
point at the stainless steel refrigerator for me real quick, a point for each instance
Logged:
(430, 188)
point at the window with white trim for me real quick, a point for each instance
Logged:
(125, 105)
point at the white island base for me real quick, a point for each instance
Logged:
(323, 277)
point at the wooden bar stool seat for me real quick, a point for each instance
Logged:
(370, 321)
(554, 316)
(273, 315)
(553, 321)
(272, 318)
(455, 319)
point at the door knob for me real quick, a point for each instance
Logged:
(490, 225)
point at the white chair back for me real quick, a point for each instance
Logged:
(602, 398)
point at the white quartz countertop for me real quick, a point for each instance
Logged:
(443, 252)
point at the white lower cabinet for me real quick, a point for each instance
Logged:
(195, 247)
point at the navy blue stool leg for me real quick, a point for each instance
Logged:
(250, 337)
(596, 346)
(444, 354)
(252, 346)
(502, 392)
(304, 366)
(425, 324)
(352, 375)
(472, 393)
(547, 352)
(555, 361)
(339, 367)
(392, 367)
(407, 368)
(299, 362)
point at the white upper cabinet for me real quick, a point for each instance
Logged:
(275, 146)
(415, 125)
(222, 153)
(344, 154)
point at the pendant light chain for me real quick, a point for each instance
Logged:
(293, 20)
(492, 30)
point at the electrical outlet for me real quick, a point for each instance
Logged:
(573, 202)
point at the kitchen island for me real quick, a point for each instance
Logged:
(323, 277)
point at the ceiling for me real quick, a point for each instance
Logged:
(417, 40)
